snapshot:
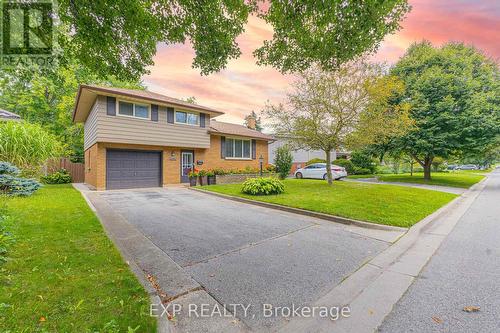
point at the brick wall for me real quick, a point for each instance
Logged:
(95, 160)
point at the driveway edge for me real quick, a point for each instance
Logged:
(377, 286)
(164, 280)
(323, 216)
(163, 324)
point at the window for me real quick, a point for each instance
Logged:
(189, 118)
(133, 110)
(238, 148)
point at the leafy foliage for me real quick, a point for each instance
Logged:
(59, 177)
(263, 186)
(454, 95)
(27, 145)
(12, 185)
(315, 160)
(121, 37)
(346, 164)
(328, 33)
(47, 97)
(283, 161)
(325, 108)
(362, 160)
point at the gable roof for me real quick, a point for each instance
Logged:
(7, 115)
(219, 127)
(88, 93)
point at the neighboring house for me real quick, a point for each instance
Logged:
(7, 115)
(300, 156)
(136, 138)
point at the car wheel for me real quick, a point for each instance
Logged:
(298, 175)
(325, 176)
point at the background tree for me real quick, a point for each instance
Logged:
(454, 96)
(47, 97)
(325, 108)
(120, 37)
(258, 121)
(283, 161)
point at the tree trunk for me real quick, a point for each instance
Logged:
(329, 167)
(411, 167)
(427, 167)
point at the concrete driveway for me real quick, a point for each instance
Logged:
(246, 254)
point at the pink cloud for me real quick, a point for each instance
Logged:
(243, 86)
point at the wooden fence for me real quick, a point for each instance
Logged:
(76, 170)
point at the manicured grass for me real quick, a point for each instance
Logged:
(383, 204)
(453, 179)
(360, 176)
(65, 275)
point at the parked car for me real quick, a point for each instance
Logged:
(467, 167)
(318, 171)
(452, 167)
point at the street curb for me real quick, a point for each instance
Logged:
(323, 216)
(373, 290)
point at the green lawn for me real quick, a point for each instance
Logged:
(453, 179)
(65, 275)
(383, 204)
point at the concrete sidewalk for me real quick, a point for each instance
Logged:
(447, 189)
(464, 272)
(372, 291)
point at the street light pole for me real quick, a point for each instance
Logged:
(261, 161)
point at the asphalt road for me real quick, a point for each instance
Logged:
(464, 271)
(246, 254)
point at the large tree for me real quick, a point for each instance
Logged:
(454, 93)
(326, 110)
(47, 97)
(120, 37)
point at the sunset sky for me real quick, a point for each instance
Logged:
(243, 86)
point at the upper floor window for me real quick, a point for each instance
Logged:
(189, 118)
(133, 110)
(238, 148)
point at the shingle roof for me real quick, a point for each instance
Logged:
(219, 127)
(4, 114)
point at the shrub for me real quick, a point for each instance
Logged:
(263, 186)
(270, 168)
(12, 185)
(362, 171)
(219, 172)
(283, 161)
(27, 145)
(346, 164)
(59, 177)
(363, 160)
(315, 160)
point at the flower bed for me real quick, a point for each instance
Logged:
(239, 178)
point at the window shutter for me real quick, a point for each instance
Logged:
(254, 149)
(154, 112)
(111, 106)
(170, 115)
(222, 147)
(202, 120)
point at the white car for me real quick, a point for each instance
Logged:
(318, 171)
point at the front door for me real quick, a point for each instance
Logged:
(187, 164)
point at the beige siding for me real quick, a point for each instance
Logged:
(128, 130)
(90, 128)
